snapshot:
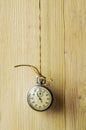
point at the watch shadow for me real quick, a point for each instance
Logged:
(58, 104)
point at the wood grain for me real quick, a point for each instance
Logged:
(75, 55)
(51, 35)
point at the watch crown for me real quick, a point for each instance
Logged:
(41, 80)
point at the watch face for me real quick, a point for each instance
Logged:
(40, 98)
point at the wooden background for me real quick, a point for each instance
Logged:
(54, 30)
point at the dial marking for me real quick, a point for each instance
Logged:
(44, 106)
(36, 105)
(47, 94)
(48, 98)
(33, 102)
(46, 102)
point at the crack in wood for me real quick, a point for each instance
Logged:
(40, 33)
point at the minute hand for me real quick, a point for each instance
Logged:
(39, 98)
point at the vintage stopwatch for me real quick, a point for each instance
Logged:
(39, 97)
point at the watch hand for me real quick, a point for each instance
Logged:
(39, 98)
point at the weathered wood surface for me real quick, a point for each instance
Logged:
(55, 31)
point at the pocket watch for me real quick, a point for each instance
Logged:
(40, 97)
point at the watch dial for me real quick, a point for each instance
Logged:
(39, 98)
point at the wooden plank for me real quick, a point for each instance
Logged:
(19, 43)
(75, 60)
(52, 33)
